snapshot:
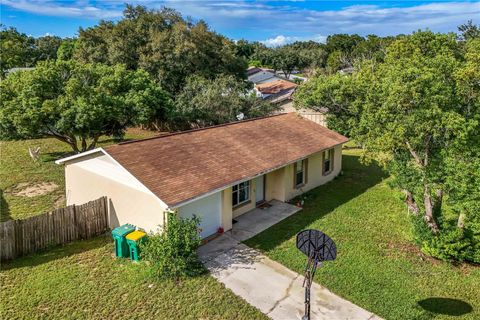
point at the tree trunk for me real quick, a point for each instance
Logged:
(411, 203)
(429, 218)
(84, 144)
(74, 146)
(438, 200)
(71, 142)
(93, 143)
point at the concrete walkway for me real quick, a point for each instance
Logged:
(269, 286)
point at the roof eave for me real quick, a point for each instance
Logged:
(79, 155)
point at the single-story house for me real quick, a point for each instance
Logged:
(267, 89)
(217, 173)
(259, 75)
(279, 92)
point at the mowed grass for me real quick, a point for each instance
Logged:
(16, 167)
(378, 267)
(83, 280)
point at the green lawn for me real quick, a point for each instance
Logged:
(17, 168)
(83, 280)
(378, 267)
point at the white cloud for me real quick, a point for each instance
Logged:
(277, 41)
(281, 40)
(262, 18)
(58, 8)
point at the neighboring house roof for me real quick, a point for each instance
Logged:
(262, 76)
(275, 86)
(182, 166)
(253, 70)
(281, 96)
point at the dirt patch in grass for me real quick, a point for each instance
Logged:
(408, 250)
(26, 189)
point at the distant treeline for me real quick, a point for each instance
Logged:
(171, 48)
(340, 51)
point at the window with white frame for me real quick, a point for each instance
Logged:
(241, 193)
(327, 161)
(300, 168)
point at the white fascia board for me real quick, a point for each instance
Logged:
(79, 155)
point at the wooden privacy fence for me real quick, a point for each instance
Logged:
(317, 117)
(21, 237)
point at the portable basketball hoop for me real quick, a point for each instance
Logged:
(318, 247)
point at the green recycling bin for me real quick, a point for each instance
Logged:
(121, 246)
(133, 240)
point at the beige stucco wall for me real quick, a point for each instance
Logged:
(315, 176)
(315, 116)
(275, 185)
(131, 202)
(126, 204)
(227, 214)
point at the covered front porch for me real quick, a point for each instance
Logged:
(246, 226)
(261, 218)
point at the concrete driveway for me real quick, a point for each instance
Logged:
(267, 285)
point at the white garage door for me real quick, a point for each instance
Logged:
(209, 211)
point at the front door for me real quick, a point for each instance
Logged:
(259, 189)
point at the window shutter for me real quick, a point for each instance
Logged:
(332, 158)
(294, 175)
(305, 170)
(323, 162)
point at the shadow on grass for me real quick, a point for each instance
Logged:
(445, 306)
(56, 252)
(355, 180)
(52, 156)
(112, 140)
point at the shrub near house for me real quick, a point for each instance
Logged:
(173, 252)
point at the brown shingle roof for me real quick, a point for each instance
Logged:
(179, 167)
(275, 86)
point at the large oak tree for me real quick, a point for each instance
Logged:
(418, 114)
(169, 47)
(78, 103)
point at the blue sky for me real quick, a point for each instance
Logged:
(273, 22)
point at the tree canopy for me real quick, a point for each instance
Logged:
(164, 44)
(204, 102)
(78, 103)
(469, 31)
(417, 113)
(16, 48)
(66, 49)
(46, 47)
